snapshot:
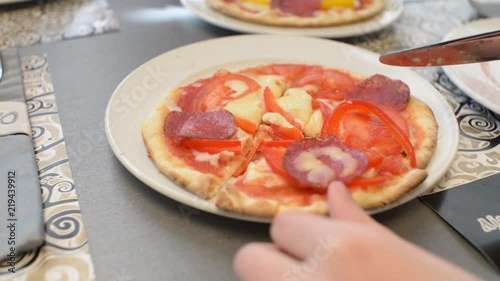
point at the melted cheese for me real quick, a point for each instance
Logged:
(276, 119)
(275, 83)
(248, 107)
(314, 125)
(213, 159)
(259, 171)
(298, 103)
(237, 86)
(251, 107)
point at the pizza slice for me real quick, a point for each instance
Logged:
(299, 13)
(200, 134)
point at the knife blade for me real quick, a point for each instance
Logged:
(21, 217)
(1, 68)
(471, 49)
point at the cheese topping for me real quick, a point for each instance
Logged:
(298, 103)
(213, 159)
(250, 107)
(276, 119)
(314, 125)
(259, 171)
(237, 86)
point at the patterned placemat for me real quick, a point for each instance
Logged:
(54, 20)
(426, 22)
(65, 254)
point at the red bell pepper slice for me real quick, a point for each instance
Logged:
(213, 146)
(287, 132)
(273, 106)
(274, 158)
(277, 143)
(335, 121)
(245, 125)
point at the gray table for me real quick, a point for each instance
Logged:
(134, 232)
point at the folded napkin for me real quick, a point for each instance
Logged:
(473, 210)
(21, 220)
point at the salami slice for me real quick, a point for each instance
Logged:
(217, 125)
(302, 8)
(316, 162)
(381, 90)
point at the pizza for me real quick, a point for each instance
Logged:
(299, 13)
(272, 137)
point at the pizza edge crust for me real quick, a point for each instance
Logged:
(423, 117)
(271, 17)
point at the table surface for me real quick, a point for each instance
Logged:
(136, 233)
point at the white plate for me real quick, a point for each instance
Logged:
(391, 12)
(140, 92)
(481, 81)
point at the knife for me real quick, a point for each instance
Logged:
(21, 217)
(1, 68)
(471, 49)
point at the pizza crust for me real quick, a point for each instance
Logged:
(231, 199)
(269, 16)
(379, 197)
(425, 126)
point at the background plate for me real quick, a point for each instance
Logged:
(140, 92)
(480, 81)
(393, 9)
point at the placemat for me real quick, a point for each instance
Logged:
(54, 20)
(65, 254)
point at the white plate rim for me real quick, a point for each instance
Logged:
(392, 11)
(451, 71)
(447, 140)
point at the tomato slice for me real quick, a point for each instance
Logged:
(291, 72)
(273, 106)
(335, 121)
(274, 158)
(211, 93)
(245, 125)
(213, 146)
(331, 84)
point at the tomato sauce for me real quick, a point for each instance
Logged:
(186, 155)
(285, 194)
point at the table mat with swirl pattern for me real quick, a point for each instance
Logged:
(65, 254)
(29, 24)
